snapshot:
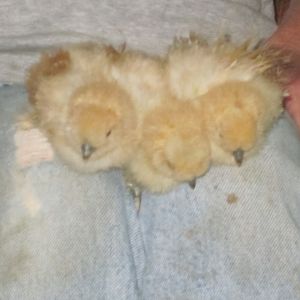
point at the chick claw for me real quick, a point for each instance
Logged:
(136, 193)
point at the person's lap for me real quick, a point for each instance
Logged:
(63, 235)
(235, 235)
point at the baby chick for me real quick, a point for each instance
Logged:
(240, 103)
(88, 117)
(143, 78)
(237, 115)
(174, 148)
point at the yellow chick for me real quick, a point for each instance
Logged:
(173, 149)
(237, 116)
(89, 119)
(240, 103)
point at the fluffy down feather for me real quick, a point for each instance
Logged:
(143, 78)
(174, 148)
(193, 66)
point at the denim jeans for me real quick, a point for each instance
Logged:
(65, 235)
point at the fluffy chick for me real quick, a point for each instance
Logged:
(237, 116)
(174, 148)
(240, 103)
(88, 117)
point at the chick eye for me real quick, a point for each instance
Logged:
(108, 133)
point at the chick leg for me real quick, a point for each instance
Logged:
(137, 197)
(136, 193)
(134, 190)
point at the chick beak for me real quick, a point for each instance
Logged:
(192, 183)
(238, 156)
(86, 151)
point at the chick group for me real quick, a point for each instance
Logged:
(162, 120)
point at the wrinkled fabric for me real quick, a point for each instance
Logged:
(31, 26)
(69, 236)
(65, 235)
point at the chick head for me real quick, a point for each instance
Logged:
(102, 120)
(232, 112)
(175, 143)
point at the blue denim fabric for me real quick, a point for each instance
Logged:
(85, 241)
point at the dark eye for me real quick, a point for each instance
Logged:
(108, 133)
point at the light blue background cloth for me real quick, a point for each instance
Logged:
(85, 241)
(81, 242)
